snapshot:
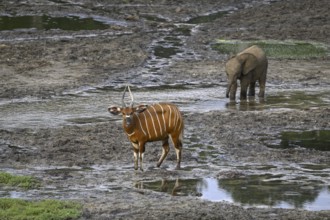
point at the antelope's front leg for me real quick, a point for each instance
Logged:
(136, 153)
(141, 153)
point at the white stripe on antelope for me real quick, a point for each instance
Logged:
(157, 122)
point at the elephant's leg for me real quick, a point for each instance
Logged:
(262, 91)
(243, 94)
(233, 90)
(244, 86)
(166, 149)
(262, 87)
(252, 90)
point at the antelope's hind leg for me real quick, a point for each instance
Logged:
(177, 142)
(166, 149)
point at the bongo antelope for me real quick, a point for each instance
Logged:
(148, 123)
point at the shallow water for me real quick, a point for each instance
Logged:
(314, 139)
(45, 22)
(278, 98)
(207, 18)
(90, 106)
(239, 191)
(303, 186)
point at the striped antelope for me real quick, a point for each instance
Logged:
(157, 122)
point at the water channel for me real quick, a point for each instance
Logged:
(90, 106)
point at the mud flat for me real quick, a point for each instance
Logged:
(246, 160)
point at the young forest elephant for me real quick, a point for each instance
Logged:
(248, 66)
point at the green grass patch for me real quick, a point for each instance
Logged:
(17, 209)
(26, 182)
(275, 49)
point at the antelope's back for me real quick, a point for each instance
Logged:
(160, 119)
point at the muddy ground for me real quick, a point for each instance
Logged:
(46, 63)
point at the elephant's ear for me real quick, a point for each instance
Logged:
(249, 62)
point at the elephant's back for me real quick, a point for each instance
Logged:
(256, 51)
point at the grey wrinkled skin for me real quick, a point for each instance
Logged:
(249, 66)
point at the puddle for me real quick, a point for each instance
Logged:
(278, 186)
(184, 30)
(174, 187)
(260, 191)
(316, 140)
(65, 183)
(45, 22)
(152, 17)
(165, 52)
(166, 49)
(207, 18)
(299, 99)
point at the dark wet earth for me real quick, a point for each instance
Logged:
(64, 62)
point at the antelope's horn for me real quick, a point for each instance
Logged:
(122, 99)
(130, 93)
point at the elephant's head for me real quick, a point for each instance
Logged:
(238, 66)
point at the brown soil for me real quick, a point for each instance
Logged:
(47, 66)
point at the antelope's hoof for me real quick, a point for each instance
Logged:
(158, 164)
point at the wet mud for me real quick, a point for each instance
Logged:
(261, 159)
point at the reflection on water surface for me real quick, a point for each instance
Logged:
(263, 191)
(316, 139)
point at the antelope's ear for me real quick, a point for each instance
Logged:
(114, 110)
(141, 108)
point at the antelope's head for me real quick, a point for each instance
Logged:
(127, 111)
